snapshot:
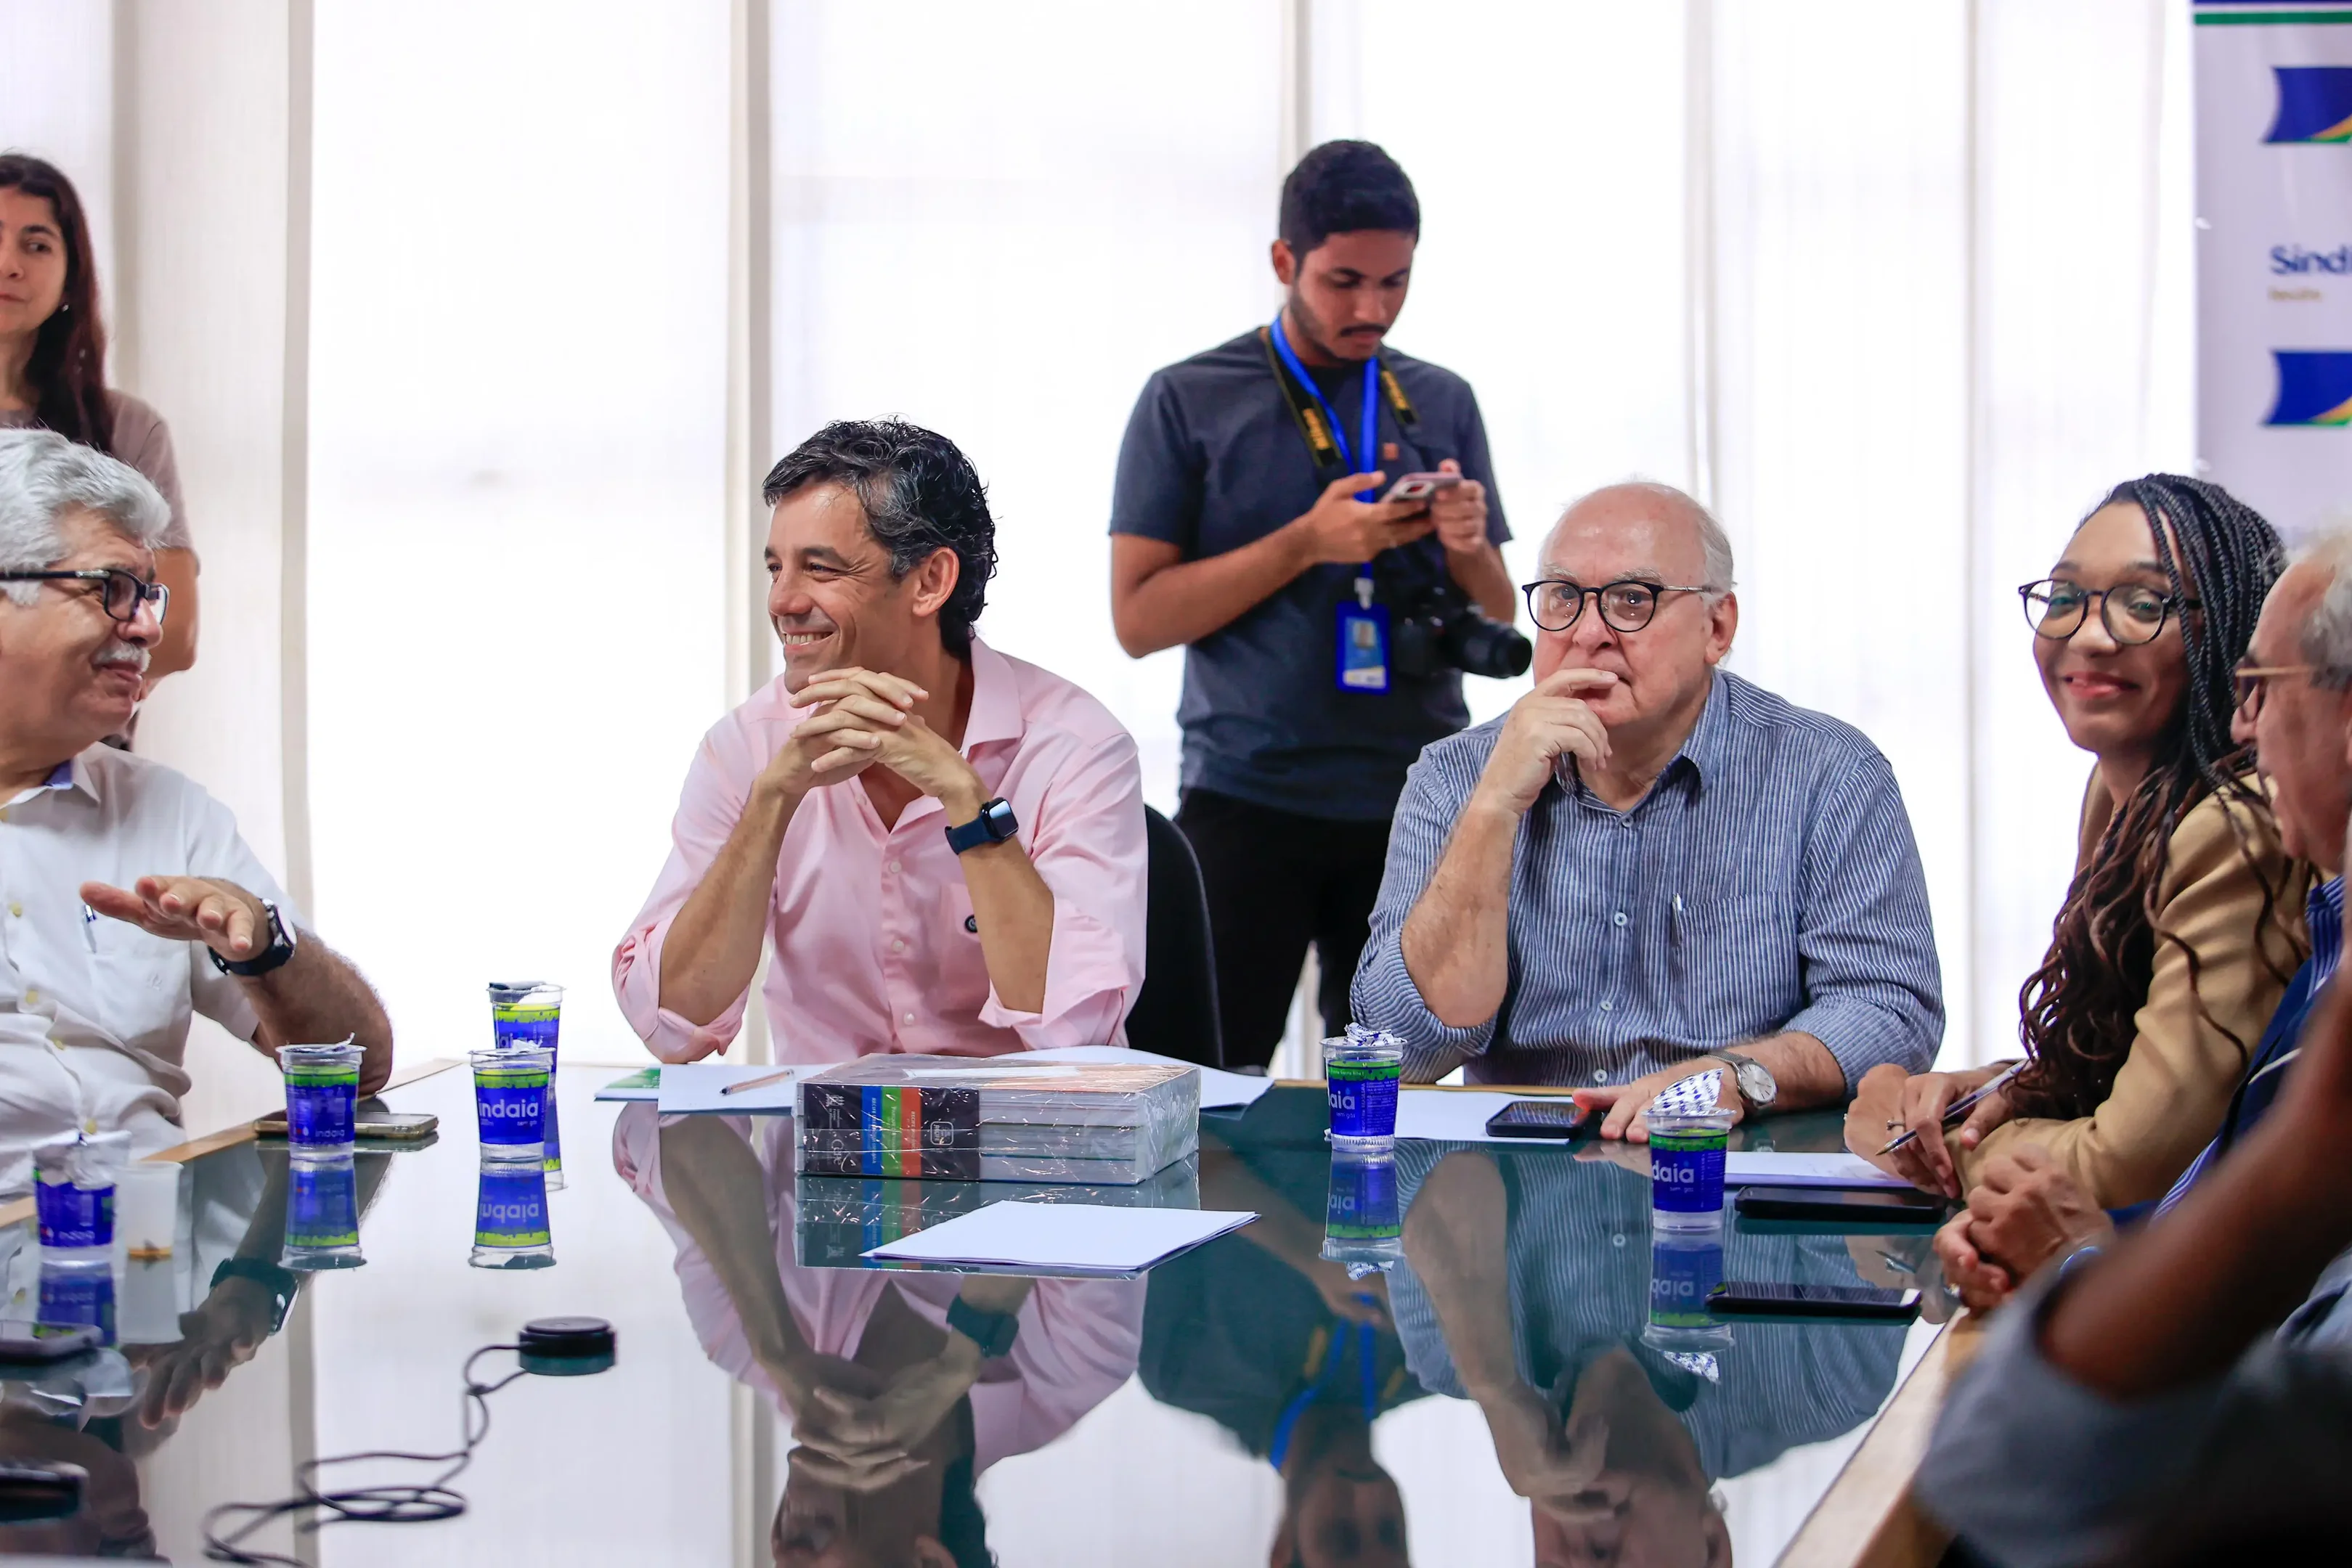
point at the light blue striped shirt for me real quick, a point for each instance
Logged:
(1769, 881)
(1580, 1267)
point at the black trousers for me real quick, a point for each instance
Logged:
(1277, 881)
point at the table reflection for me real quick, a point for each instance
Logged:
(1263, 1334)
(893, 1421)
(1527, 1288)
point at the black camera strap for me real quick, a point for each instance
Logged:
(1331, 462)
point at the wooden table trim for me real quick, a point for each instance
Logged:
(22, 1209)
(1868, 1518)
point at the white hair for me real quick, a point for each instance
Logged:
(2326, 634)
(1715, 545)
(43, 476)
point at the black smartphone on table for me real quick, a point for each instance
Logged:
(44, 1345)
(1842, 1208)
(1562, 1118)
(1865, 1303)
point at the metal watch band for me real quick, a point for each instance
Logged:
(281, 948)
(1742, 1066)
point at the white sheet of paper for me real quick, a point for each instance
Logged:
(1771, 1168)
(1456, 1116)
(1068, 1238)
(696, 1085)
(1220, 1090)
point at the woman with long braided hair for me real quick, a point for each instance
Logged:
(2183, 923)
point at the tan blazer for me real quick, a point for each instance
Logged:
(2174, 1088)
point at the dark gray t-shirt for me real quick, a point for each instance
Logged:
(1212, 461)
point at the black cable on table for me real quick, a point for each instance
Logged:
(417, 1502)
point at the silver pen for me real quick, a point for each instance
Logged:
(1960, 1107)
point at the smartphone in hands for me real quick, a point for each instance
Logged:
(1421, 487)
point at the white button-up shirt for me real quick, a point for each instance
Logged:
(94, 1012)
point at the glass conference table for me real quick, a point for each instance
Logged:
(1412, 1414)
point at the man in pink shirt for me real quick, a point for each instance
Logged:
(943, 845)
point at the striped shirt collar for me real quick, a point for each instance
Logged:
(1707, 748)
(2324, 915)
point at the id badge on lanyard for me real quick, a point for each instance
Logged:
(1363, 662)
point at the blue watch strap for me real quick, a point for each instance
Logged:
(994, 824)
(994, 1333)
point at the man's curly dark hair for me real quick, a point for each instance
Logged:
(920, 492)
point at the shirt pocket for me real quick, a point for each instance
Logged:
(962, 978)
(1734, 968)
(140, 982)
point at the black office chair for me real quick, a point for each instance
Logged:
(1176, 1013)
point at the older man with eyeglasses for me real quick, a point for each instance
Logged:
(1650, 868)
(127, 898)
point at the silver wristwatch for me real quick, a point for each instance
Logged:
(1752, 1078)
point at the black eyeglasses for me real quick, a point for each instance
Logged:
(2056, 609)
(1626, 605)
(123, 594)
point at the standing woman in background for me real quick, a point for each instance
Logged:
(53, 369)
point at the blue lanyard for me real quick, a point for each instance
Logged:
(1359, 460)
(1334, 1358)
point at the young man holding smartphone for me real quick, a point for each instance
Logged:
(1254, 524)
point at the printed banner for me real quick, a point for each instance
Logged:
(2274, 257)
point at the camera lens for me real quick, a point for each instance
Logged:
(1489, 648)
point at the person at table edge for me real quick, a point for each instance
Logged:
(127, 896)
(944, 846)
(1649, 867)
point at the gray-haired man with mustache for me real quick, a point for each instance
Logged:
(127, 898)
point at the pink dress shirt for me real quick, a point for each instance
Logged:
(1078, 1340)
(874, 945)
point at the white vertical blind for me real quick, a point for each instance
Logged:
(997, 222)
(518, 427)
(1842, 302)
(56, 101)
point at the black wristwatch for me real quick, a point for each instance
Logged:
(280, 1282)
(281, 948)
(992, 1331)
(994, 824)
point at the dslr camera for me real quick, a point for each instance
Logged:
(1436, 629)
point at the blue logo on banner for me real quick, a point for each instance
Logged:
(2314, 104)
(2315, 387)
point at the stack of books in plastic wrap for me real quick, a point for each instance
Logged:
(998, 1119)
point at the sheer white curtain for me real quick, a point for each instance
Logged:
(517, 418)
(997, 222)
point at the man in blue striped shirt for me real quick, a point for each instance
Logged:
(1649, 862)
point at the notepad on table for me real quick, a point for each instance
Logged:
(700, 1087)
(1064, 1238)
(1765, 1167)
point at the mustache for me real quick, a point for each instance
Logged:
(129, 653)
